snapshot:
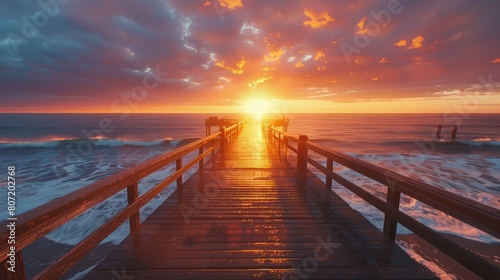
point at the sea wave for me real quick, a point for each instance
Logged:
(483, 141)
(47, 144)
(474, 142)
(476, 145)
(47, 176)
(96, 142)
(471, 176)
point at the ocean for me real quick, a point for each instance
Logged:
(56, 154)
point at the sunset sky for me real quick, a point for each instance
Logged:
(231, 55)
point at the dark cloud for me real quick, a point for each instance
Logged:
(88, 53)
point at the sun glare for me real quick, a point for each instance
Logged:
(257, 107)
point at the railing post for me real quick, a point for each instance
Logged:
(390, 225)
(178, 166)
(222, 142)
(213, 153)
(135, 219)
(285, 148)
(302, 155)
(329, 166)
(201, 163)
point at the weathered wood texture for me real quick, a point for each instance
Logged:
(251, 217)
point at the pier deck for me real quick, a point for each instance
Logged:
(251, 218)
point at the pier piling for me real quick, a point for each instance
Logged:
(438, 132)
(454, 132)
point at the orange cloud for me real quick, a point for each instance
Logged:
(231, 4)
(416, 42)
(417, 60)
(253, 84)
(319, 56)
(316, 20)
(497, 60)
(299, 64)
(237, 70)
(361, 26)
(384, 60)
(207, 3)
(401, 43)
(274, 55)
(241, 63)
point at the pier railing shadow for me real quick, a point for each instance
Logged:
(477, 215)
(36, 223)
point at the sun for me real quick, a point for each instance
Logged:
(257, 107)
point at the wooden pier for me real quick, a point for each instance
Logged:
(249, 219)
(253, 210)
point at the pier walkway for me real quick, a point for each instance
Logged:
(249, 216)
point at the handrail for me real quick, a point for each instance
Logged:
(478, 215)
(36, 223)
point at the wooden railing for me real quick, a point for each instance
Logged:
(36, 223)
(478, 215)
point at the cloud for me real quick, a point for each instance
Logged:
(401, 43)
(316, 20)
(384, 60)
(361, 26)
(235, 70)
(299, 64)
(253, 84)
(94, 50)
(231, 4)
(274, 55)
(416, 42)
(319, 56)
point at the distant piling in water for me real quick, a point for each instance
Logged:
(439, 132)
(454, 132)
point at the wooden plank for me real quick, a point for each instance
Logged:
(265, 273)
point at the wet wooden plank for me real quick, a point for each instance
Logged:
(250, 218)
(244, 274)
